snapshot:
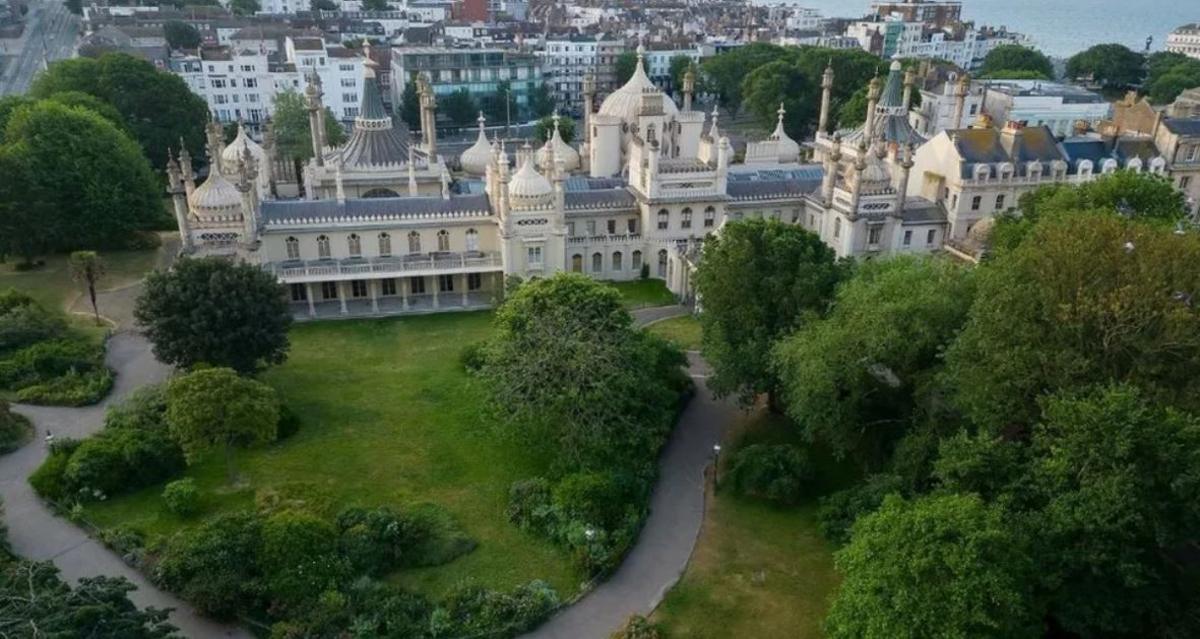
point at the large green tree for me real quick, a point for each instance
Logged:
(216, 408)
(854, 378)
(725, 72)
(938, 566)
(1014, 57)
(794, 80)
(85, 179)
(293, 132)
(1112, 65)
(215, 312)
(1084, 299)
(545, 128)
(157, 106)
(624, 66)
(758, 280)
(181, 35)
(1168, 74)
(244, 7)
(460, 107)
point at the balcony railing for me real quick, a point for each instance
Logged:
(383, 266)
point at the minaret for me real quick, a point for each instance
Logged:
(429, 118)
(826, 94)
(339, 186)
(906, 164)
(832, 161)
(872, 100)
(445, 184)
(860, 164)
(316, 116)
(247, 184)
(269, 152)
(910, 79)
(960, 98)
(175, 187)
(589, 103)
(213, 134)
(185, 168)
(689, 87)
(412, 173)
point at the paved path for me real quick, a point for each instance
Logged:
(676, 512)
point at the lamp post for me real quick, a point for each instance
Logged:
(716, 466)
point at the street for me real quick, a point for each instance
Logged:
(50, 34)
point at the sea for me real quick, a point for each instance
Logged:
(1060, 28)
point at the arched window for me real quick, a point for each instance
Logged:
(597, 262)
(710, 217)
(685, 219)
(354, 242)
(637, 260)
(662, 263)
(577, 263)
(414, 242)
(293, 248)
(663, 219)
(323, 247)
(472, 240)
(617, 258)
(385, 245)
(443, 240)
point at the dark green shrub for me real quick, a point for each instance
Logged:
(72, 389)
(15, 429)
(638, 627)
(839, 510)
(441, 539)
(473, 356)
(590, 498)
(472, 610)
(44, 361)
(125, 541)
(181, 497)
(24, 324)
(11, 298)
(530, 505)
(123, 459)
(645, 273)
(144, 409)
(299, 559)
(215, 566)
(49, 481)
(289, 423)
(774, 472)
(377, 541)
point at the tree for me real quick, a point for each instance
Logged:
(410, 105)
(1007, 74)
(1083, 300)
(293, 132)
(545, 128)
(541, 101)
(24, 208)
(677, 67)
(88, 181)
(624, 66)
(853, 112)
(498, 106)
(215, 312)
(854, 379)
(460, 107)
(217, 408)
(1169, 74)
(758, 279)
(323, 5)
(181, 35)
(87, 269)
(1111, 65)
(1014, 57)
(938, 566)
(94, 104)
(244, 7)
(726, 72)
(375, 5)
(157, 106)
(793, 78)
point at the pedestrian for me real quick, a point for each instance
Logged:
(49, 439)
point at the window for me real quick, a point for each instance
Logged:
(931, 236)
(299, 292)
(414, 242)
(358, 288)
(388, 285)
(443, 238)
(663, 218)
(591, 228)
(577, 263)
(597, 262)
(474, 281)
(348, 83)
(908, 238)
(662, 263)
(636, 260)
(631, 225)
(323, 247)
(976, 202)
(1000, 202)
(533, 256)
(446, 283)
(570, 229)
(1185, 181)
(416, 285)
(385, 245)
(329, 290)
(293, 248)
(616, 260)
(685, 219)
(873, 234)
(612, 227)
(837, 227)
(354, 243)
(472, 241)
(250, 83)
(710, 217)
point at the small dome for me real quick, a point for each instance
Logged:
(875, 177)
(562, 151)
(232, 155)
(626, 102)
(475, 160)
(788, 149)
(216, 196)
(527, 186)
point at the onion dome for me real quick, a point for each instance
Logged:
(788, 149)
(233, 153)
(475, 160)
(528, 187)
(626, 102)
(555, 150)
(875, 177)
(216, 197)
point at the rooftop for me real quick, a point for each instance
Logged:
(1043, 89)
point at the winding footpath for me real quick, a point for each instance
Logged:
(638, 585)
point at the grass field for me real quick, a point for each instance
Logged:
(388, 417)
(682, 331)
(51, 285)
(644, 293)
(758, 570)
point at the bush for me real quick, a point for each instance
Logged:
(777, 473)
(638, 627)
(472, 610)
(119, 460)
(441, 540)
(72, 389)
(181, 497)
(48, 481)
(23, 324)
(289, 423)
(839, 510)
(215, 566)
(299, 559)
(473, 356)
(530, 506)
(144, 409)
(377, 541)
(45, 361)
(590, 498)
(15, 429)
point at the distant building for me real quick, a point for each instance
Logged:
(935, 14)
(1185, 40)
(1035, 102)
(658, 62)
(939, 106)
(566, 60)
(479, 71)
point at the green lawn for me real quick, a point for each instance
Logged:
(683, 331)
(644, 293)
(758, 570)
(51, 285)
(388, 417)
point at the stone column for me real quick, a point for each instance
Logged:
(373, 287)
(308, 294)
(403, 293)
(436, 285)
(872, 100)
(826, 92)
(960, 98)
(465, 302)
(341, 289)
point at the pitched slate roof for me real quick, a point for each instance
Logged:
(1183, 126)
(989, 146)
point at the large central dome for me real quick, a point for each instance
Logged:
(626, 102)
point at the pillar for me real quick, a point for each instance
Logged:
(404, 293)
(909, 80)
(373, 288)
(960, 99)
(341, 289)
(872, 100)
(308, 294)
(436, 285)
(826, 93)
(464, 290)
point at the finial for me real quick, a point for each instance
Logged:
(781, 111)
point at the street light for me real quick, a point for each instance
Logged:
(716, 465)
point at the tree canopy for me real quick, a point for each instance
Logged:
(545, 128)
(1014, 57)
(215, 312)
(244, 7)
(293, 133)
(758, 281)
(181, 35)
(460, 107)
(1169, 74)
(624, 66)
(1111, 65)
(157, 106)
(216, 408)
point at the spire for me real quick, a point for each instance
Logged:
(712, 131)
(213, 135)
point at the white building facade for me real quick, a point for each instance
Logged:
(1185, 40)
